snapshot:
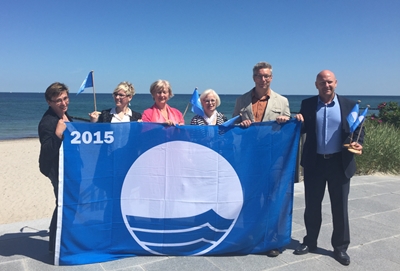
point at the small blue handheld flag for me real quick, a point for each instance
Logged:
(359, 120)
(230, 122)
(197, 108)
(353, 116)
(87, 83)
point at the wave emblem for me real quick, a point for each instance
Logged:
(180, 198)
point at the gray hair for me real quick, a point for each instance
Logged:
(210, 91)
(261, 65)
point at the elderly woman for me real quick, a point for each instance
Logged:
(210, 101)
(122, 94)
(161, 112)
(51, 129)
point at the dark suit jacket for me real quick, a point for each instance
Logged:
(309, 155)
(49, 143)
(105, 116)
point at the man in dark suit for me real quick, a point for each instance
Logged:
(325, 160)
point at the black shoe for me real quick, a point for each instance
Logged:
(273, 252)
(342, 257)
(304, 249)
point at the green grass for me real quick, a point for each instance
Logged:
(381, 149)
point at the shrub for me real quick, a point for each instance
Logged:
(381, 147)
(388, 113)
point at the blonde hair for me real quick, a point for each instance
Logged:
(161, 84)
(127, 87)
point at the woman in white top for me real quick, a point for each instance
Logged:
(122, 94)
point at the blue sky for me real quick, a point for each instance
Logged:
(205, 44)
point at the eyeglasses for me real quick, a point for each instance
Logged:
(116, 95)
(210, 101)
(59, 101)
(260, 76)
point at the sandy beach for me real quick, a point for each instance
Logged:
(25, 194)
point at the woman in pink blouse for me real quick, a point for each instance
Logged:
(161, 112)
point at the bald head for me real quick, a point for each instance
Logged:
(323, 73)
(326, 84)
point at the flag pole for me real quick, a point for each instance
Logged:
(94, 93)
(362, 123)
(351, 138)
(184, 113)
(351, 135)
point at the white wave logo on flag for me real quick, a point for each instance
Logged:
(174, 202)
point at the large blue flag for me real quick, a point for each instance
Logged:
(197, 108)
(129, 189)
(87, 83)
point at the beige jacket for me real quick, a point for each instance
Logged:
(277, 106)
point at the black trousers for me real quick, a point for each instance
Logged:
(327, 171)
(53, 176)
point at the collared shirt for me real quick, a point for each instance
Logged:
(126, 117)
(329, 138)
(258, 106)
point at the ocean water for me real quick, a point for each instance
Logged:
(20, 113)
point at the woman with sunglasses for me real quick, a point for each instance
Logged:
(122, 94)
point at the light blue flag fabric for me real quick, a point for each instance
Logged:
(134, 188)
(359, 120)
(352, 117)
(87, 83)
(197, 108)
(230, 122)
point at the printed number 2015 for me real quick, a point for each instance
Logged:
(95, 138)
